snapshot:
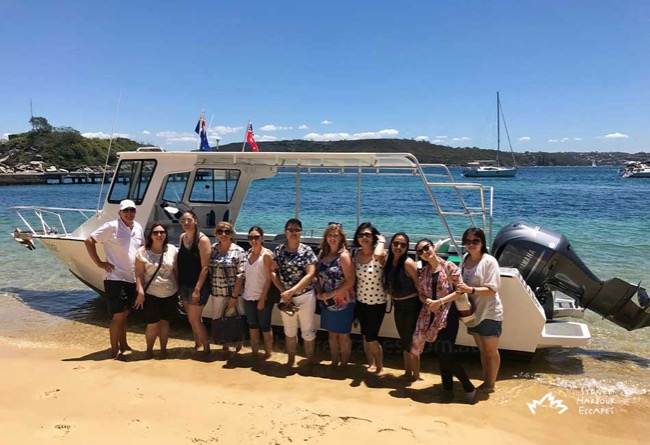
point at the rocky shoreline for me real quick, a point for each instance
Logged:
(37, 172)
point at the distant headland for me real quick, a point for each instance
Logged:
(61, 150)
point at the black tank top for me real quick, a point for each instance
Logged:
(189, 264)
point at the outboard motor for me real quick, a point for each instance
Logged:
(547, 262)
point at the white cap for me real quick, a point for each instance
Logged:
(127, 204)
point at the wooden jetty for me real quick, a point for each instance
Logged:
(36, 178)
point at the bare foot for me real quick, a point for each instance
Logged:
(268, 355)
(372, 368)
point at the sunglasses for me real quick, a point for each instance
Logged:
(159, 232)
(473, 242)
(187, 220)
(424, 248)
(254, 237)
(224, 232)
(365, 235)
(293, 230)
(398, 244)
(129, 210)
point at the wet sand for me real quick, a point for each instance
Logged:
(60, 386)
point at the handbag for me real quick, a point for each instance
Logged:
(466, 308)
(229, 329)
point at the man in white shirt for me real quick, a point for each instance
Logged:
(121, 238)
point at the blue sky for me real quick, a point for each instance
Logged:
(573, 75)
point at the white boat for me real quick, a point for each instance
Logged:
(215, 184)
(493, 169)
(636, 169)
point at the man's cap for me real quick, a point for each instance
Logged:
(127, 204)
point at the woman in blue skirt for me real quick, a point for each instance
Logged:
(335, 293)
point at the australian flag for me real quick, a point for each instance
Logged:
(203, 134)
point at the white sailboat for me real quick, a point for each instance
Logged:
(492, 169)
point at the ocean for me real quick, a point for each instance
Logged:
(605, 218)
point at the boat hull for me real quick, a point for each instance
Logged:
(525, 327)
(496, 173)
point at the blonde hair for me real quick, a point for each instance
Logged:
(228, 226)
(325, 247)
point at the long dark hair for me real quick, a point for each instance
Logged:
(197, 229)
(391, 272)
(149, 241)
(363, 226)
(477, 233)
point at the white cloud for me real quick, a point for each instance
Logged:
(146, 132)
(265, 138)
(173, 136)
(441, 137)
(439, 141)
(5, 135)
(272, 127)
(302, 127)
(577, 139)
(524, 139)
(461, 139)
(564, 139)
(326, 122)
(102, 135)
(387, 133)
(225, 130)
(553, 140)
(422, 138)
(616, 136)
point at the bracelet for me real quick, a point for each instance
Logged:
(380, 241)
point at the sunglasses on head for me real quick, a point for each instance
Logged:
(293, 230)
(365, 235)
(473, 242)
(159, 232)
(423, 249)
(224, 232)
(399, 244)
(254, 237)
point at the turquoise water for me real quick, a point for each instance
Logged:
(605, 217)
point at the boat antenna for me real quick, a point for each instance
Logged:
(514, 161)
(108, 154)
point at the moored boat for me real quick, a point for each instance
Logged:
(493, 169)
(636, 169)
(215, 185)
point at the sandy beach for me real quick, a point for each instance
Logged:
(56, 391)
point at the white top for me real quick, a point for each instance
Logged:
(370, 289)
(255, 277)
(485, 274)
(164, 283)
(120, 244)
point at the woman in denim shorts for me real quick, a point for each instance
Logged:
(481, 281)
(193, 265)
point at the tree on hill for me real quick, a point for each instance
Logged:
(40, 124)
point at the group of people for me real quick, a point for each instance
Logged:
(148, 272)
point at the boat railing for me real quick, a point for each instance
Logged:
(437, 179)
(50, 220)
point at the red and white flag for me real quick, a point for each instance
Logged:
(250, 137)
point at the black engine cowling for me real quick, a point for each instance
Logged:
(547, 262)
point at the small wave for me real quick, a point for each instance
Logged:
(604, 387)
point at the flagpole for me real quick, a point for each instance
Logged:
(243, 147)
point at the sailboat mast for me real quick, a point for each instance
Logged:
(498, 130)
